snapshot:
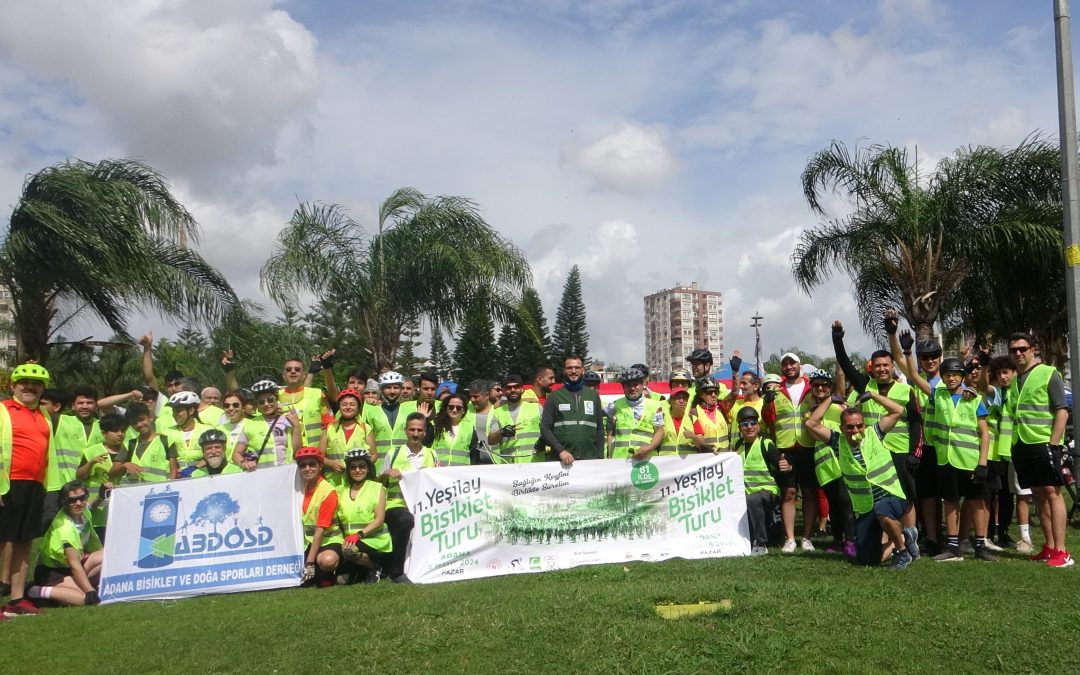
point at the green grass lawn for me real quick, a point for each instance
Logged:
(800, 613)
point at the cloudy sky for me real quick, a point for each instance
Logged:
(648, 142)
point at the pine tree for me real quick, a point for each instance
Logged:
(440, 357)
(532, 344)
(407, 361)
(505, 351)
(475, 350)
(571, 336)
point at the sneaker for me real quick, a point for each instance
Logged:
(372, 577)
(966, 547)
(1024, 547)
(834, 548)
(900, 560)
(991, 546)
(1005, 541)
(931, 547)
(5, 590)
(806, 545)
(1060, 559)
(1042, 556)
(759, 550)
(911, 542)
(21, 607)
(950, 554)
(788, 547)
(849, 549)
(983, 553)
(400, 579)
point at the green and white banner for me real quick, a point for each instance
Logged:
(482, 521)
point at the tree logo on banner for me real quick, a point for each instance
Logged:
(644, 475)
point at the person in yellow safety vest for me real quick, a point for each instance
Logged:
(318, 511)
(706, 411)
(904, 441)
(387, 421)
(349, 432)
(683, 434)
(514, 429)
(236, 420)
(763, 469)
(870, 478)
(826, 466)
(956, 426)
(362, 514)
(150, 457)
(412, 456)
(96, 461)
(781, 421)
(214, 463)
(592, 379)
(187, 427)
(997, 376)
(747, 393)
(647, 393)
(210, 410)
(71, 434)
(451, 434)
(637, 421)
(272, 437)
(543, 381)
(70, 553)
(309, 403)
(701, 363)
(1037, 412)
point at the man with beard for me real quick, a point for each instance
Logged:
(515, 427)
(387, 421)
(213, 448)
(572, 421)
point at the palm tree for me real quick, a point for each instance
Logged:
(104, 239)
(910, 242)
(432, 257)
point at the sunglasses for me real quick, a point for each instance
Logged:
(233, 405)
(821, 385)
(75, 499)
(266, 401)
(929, 357)
(357, 467)
(854, 427)
(748, 424)
(307, 464)
(455, 407)
(1019, 350)
(294, 370)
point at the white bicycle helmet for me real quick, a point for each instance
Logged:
(183, 399)
(391, 377)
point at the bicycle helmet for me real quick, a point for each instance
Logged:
(391, 377)
(30, 371)
(184, 399)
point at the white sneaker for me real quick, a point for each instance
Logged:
(807, 545)
(788, 547)
(1024, 546)
(991, 546)
(966, 547)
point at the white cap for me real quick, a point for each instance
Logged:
(790, 355)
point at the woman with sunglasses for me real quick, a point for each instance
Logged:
(451, 436)
(361, 512)
(234, 404)
(348, 433)
(272, 436)
(763, 472)
(69, 558)
(318, 512)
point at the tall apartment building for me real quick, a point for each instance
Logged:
(7, 318)
(679, 320)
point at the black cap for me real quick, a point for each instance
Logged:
(929, 348)
(951, 365)
(700, 355)
(746, 413)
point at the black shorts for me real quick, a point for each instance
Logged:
(1037, 465)
(926, 480)
(50, 576)
(955, 484)
(903, 474)
(20, 517)
(802, 473)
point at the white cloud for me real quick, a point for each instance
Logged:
(631, 159)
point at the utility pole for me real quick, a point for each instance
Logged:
(757, 345)
(1070, 207)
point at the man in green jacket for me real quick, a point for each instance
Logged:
(572, 421)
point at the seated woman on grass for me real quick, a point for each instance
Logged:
(361, 512)
(69, 560)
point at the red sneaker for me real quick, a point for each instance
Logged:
(1045, 554)
(1060, 559)
(21, 607)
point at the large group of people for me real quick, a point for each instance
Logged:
(908, 455)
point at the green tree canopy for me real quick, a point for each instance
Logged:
(105, 239)
(571, 336)
(431, 257)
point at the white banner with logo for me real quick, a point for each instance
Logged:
(483, 521)
(219, 534)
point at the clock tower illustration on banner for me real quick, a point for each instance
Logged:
(157, 539)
